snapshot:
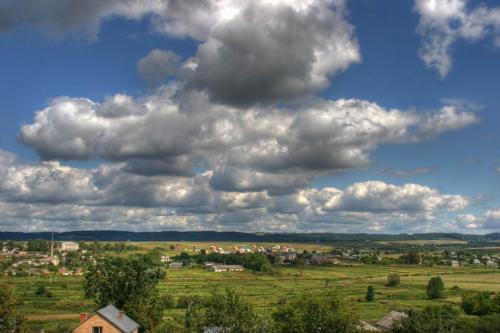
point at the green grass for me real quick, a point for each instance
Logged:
(264, 291)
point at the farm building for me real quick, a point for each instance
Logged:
(175, 264)
(455, 263)
(322, 259)
(109, 320)
(386, 323)
(226, 268)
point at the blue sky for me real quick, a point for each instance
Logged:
(41, 62)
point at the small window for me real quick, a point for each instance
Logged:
(96, 329)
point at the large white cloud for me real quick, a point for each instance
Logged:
(443, 22)
(164, 134)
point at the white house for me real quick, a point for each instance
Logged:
(69, 246)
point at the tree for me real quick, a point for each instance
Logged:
(435, 288)
(480, 303)
(311, 313)
(412, 258)
(433, 319)
(278, 261)
(226, 311)
(301, 265)
(131, 284)
(11, 321)
(393, 280)
(38, 245)
(370, 294)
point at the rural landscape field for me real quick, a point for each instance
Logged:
(265, 291)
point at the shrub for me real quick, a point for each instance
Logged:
(168, 301)
(40, 291)
(393, 280)
(370, 294)
(479, 303)
(435, 288)
(183, 302)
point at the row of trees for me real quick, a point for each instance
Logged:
(254, 261)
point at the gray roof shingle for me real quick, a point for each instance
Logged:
(112, 314)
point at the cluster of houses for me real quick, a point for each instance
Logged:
(488, 261)
(37, 263)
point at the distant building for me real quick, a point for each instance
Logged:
(209, 263)
(491, 264)
(386, 323)
(290, 256)
(68, 246)
(164, 258)
(454, 263)
(322, 259)
(226, 268)
(106, 320)
(175, 264)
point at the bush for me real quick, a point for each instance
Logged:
(435, 288)
(393, 280)
(168, 301)
(328, 313)
(183, 302)
(480, 303)
(370, 294)
(40, 291)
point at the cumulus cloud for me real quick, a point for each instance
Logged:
(53, 194)
(240, 61)
(492, 219)
(249, 149)
(443, 22)
(157, 66)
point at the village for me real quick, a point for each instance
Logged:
(43, 257)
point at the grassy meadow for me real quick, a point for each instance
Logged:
(264, 291)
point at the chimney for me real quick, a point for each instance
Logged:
(83, 316)
(121, 314)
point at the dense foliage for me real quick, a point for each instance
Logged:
(11, 321)
(39, 245)
(130, 284)
(329, 313)
(226, 311)
(480, 303)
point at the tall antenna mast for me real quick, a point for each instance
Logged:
(52, 246)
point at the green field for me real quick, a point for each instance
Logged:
(264, 291)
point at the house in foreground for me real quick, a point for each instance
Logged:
(106, 320)
(388, 321)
